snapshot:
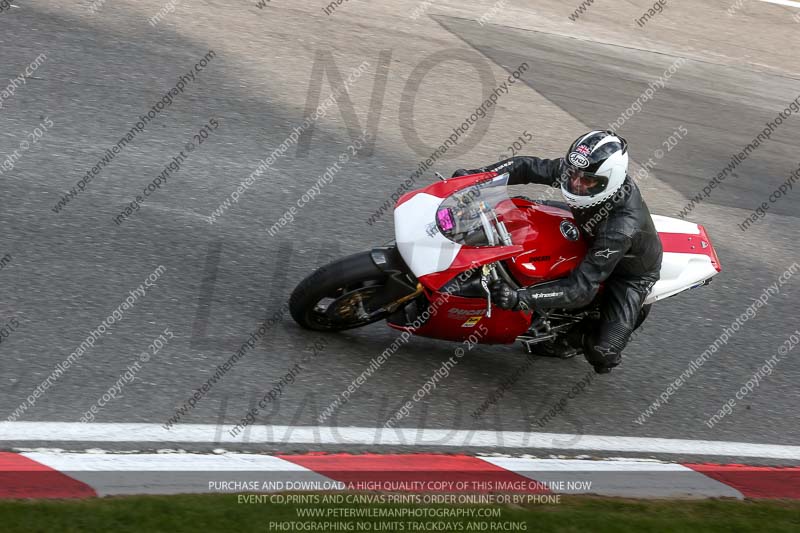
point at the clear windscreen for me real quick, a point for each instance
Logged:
(473, 216)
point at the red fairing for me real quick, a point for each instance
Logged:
(685, 243)
(542, 253)
(549, 253)
(547, 245)
(456, 318)
(467, 258)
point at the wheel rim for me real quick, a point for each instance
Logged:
(348, 306)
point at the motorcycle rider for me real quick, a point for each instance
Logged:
(624, 250)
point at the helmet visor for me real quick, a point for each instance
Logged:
(582, 183)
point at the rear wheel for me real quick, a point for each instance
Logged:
(348, 293)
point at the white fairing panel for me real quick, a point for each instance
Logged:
(422, 246)
(679, 271)
(674, 225)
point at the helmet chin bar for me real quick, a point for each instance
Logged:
(586, 202)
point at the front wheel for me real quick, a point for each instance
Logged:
(345, 294)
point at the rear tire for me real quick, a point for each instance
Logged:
(346, 286)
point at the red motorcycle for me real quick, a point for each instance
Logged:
(453, 238)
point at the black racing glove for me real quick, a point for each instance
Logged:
(507, 298)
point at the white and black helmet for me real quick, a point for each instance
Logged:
(596, 166)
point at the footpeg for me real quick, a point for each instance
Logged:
(530, 342)
(528, 347)
(544, 347)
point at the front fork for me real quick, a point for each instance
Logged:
(401, 285)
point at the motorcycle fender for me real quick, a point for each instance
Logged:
(389, 260)
(401, 281)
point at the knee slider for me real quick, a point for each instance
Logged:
(616, 337)
(606, 349)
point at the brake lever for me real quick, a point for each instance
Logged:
(488, 271)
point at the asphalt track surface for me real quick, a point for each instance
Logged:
(69, 270)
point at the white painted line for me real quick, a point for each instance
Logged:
(176, 473)
(519, 464)
(783, 3)
(618, 478)
(49, 432)
(183, 473)
(167, 462)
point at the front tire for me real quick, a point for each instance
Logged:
(342, 295)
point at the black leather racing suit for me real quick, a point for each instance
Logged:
(624, 253)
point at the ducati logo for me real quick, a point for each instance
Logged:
(456, 312)
(605, 253)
